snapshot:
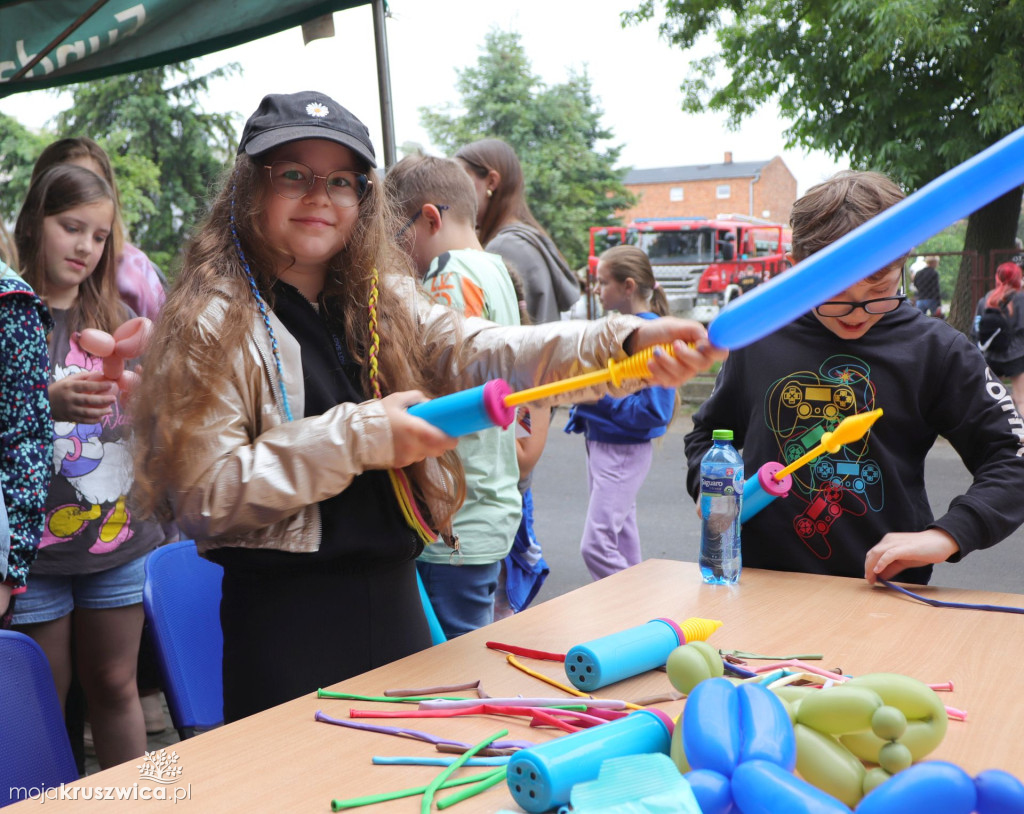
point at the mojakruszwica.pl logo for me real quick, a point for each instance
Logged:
(159, 774)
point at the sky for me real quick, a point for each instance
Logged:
(635, 77)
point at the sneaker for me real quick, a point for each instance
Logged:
(153, 713)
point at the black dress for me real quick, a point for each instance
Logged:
(295, 622)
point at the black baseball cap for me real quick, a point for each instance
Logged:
(285, 117)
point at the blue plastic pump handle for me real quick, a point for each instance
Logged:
(872, 245)
(541, 777)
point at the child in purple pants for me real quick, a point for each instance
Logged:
(619, 431)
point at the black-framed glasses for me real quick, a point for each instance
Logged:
(879, 305)
(290, 179)
(408, 224)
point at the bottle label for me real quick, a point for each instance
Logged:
(724, 485)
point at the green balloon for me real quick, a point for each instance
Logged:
(690, 664)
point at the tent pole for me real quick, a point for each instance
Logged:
(387, 113)
(67, 32)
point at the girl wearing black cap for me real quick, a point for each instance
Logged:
(273, 416)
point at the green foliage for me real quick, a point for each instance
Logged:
(571, 184)
(18, 150)
(950, 239)
(167, 153)
(909, 88)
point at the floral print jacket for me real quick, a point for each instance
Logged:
(26, 427)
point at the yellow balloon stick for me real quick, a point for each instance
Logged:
(850, 429)
(633, 367)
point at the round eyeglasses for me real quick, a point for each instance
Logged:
(290, 179)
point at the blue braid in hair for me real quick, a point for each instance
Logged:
(262, 305)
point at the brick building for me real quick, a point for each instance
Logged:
(763, 189)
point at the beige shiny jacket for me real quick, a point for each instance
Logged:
(254, 480)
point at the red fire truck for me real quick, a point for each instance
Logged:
(701, 263)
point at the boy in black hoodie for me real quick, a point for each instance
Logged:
(864, 510)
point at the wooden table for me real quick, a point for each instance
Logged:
(283, 761)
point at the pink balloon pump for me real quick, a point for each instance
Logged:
(478, 408)
(760, 491)
(127, 342)
(872, 245)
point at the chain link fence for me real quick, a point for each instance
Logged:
(973, 275)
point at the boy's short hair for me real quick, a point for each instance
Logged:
(418, 180)
(837, 206)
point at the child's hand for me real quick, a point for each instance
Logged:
(81, 398)
(415, 439)
(899, 550)
(669, 371)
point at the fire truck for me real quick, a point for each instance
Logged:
(701, 263)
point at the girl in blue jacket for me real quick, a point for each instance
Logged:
(619, 431)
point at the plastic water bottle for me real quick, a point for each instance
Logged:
(721, 498)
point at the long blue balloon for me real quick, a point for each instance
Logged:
(872, 245)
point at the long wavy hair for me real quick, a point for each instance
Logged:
(508, 203)
(187, 359)
(55, 190)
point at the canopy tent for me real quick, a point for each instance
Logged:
(48, 43)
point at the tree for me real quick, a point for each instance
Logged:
(571, 184)
(911, 89)
(167, 153)
(19, 148)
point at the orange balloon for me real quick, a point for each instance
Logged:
(98, 343)
(131, 337)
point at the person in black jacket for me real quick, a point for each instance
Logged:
(1005, 355)
(863, 510)
(926, 281)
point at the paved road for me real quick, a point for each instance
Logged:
(668, 524)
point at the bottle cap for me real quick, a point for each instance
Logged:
(721, 435)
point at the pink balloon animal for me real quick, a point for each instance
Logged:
(127, 342)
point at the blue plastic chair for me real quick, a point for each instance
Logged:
(181, 598)
(35, 752)
(436, 631)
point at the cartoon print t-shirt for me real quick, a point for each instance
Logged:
(89, 525)
(782, 395)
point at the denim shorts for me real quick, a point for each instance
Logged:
(462, 595)
(51, 597)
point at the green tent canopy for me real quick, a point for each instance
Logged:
(48, 43)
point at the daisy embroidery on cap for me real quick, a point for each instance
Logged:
(317, 109)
